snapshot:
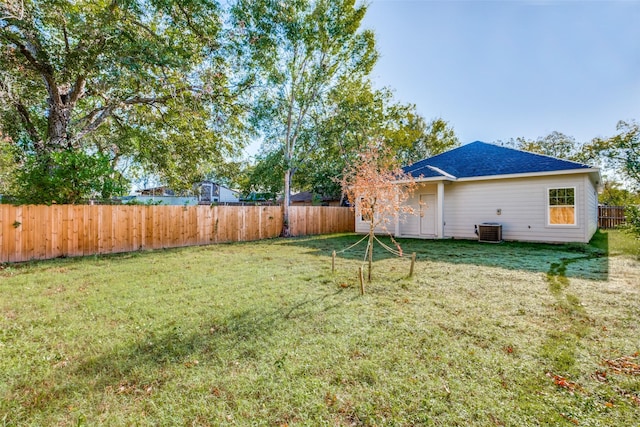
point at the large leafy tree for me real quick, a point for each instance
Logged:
(620, 152)
(84, 81)
(7, 167)
(422, 139)
(555, 144)
(298, 52)
(614, 194)
(355, 115)
(359, 115)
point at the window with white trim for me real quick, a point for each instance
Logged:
(562, 206)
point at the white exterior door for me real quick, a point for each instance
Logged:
(428, 214)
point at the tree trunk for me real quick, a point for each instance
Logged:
(286, 202)
(370, 249)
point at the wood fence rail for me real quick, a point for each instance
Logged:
(610, 216)
(33, 232)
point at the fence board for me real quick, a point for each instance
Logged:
(32, 232)
(307, 220)
(610, 216)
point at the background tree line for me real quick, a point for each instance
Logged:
(95, 94)
(618, 157)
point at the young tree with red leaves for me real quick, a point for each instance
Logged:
(378, 188)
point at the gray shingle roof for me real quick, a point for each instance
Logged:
(479, 159)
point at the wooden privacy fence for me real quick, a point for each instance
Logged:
(610, 216)
(42, 232)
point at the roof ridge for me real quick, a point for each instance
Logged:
(534, 153)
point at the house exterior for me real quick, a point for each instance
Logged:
(532, 197)
(204, 193)
(210, 192)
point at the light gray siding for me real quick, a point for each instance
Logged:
(523, 208)
(410, 224)
(382, 228)
(228, 196)
(519, 204)
(591, 208)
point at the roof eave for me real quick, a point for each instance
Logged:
(595, 172)
(425, 179)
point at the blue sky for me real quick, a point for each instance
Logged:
(503, 69)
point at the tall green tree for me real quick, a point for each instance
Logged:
(360, 115)
(620, 152)
(556, 144)
(614, 194)
(298, 51)
(86, 80)
(424, 139)
(8, 168)
(356, 114)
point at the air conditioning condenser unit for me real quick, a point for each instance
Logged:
(490, 232)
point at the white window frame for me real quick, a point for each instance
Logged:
(575, 207)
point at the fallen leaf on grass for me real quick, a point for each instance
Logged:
(330, 399)
(624, 365)
(562, 382)
(600, 376)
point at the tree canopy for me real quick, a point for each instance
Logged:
(620, 152)
(355, 115)
(555, 144)
(87, 83)
(298, 52)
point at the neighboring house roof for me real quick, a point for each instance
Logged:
(479, 159)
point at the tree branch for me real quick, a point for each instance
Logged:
(45, 69)
(28, 124)
(25, 117)
(77, 91)
(96, 118)
(66, 36)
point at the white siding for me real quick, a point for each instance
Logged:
(591, 208)
(523, 208)
(388, 226)
(410, 224)
(228, 196)
(523, 205)
(363, 226)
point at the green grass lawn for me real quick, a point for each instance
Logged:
(265, 334)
